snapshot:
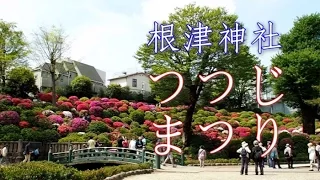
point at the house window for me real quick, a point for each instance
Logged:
(134, 82)
(61, 79)
(142, 86)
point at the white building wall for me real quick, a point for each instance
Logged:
(143, 83)
(121, 81)
(38, 78)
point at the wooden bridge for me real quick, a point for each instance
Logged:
(107, 155)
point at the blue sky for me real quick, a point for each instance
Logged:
(107, 33)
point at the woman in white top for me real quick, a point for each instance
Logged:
(312, 155)
(202, 155)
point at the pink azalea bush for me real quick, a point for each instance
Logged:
(95, 103)
(79, 124)
(56, 119)
(96, 111)
(9, 117)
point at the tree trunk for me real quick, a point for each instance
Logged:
(54, 97)
(53, 79)
(187, 125)
(308, 117)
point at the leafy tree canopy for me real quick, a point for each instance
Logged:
(82, 86)
(300, 62)
(190, 64)
(20, 82)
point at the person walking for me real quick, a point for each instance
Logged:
(202, 154)
(318, 155)
(27, 153)
(312, 155)
(244, 152)
(269, 161)
(36, 154)
(169, 156)
(263, 150)
(144, 141)
(289, 156)
(132, 146)
(275, 157)
(258, 160)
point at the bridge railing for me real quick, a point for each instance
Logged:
(103, 154)
(108, 154)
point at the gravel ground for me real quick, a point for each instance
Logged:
(227, 173)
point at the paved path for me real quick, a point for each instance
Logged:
(227, 173)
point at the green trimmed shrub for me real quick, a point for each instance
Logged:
(105, 172)
(137, 116)
(39, 170)
(98, 127)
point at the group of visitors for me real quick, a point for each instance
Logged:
(28, 153)
(273, 156)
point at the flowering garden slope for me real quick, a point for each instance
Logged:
(40, 121)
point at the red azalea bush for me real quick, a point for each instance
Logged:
(287, 120)
(25, 105)
(64, 129)
(123, 109)
(56, 119)
(96, 111)
(117, 124)
(144, 108)
(9, 117)
(27, 101)
(79, 124)
(118, 104)
(67, 105)
(82, 106)
(108, 121)
(24, 124)
(16, 101)
(113, 100)
(47, 97)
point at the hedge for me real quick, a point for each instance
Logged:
(44, 170)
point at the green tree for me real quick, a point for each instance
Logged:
(20, 82)
(50, 45)
(118, 92)
(82, 86)
(191, 64)
(300, 63)
(164, 89)
(13, 48)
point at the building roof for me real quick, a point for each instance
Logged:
(70, 66)
(89, 71)
(84, 69)
(127, 75)
(59, 67)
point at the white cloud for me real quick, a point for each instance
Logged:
(154, 10)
